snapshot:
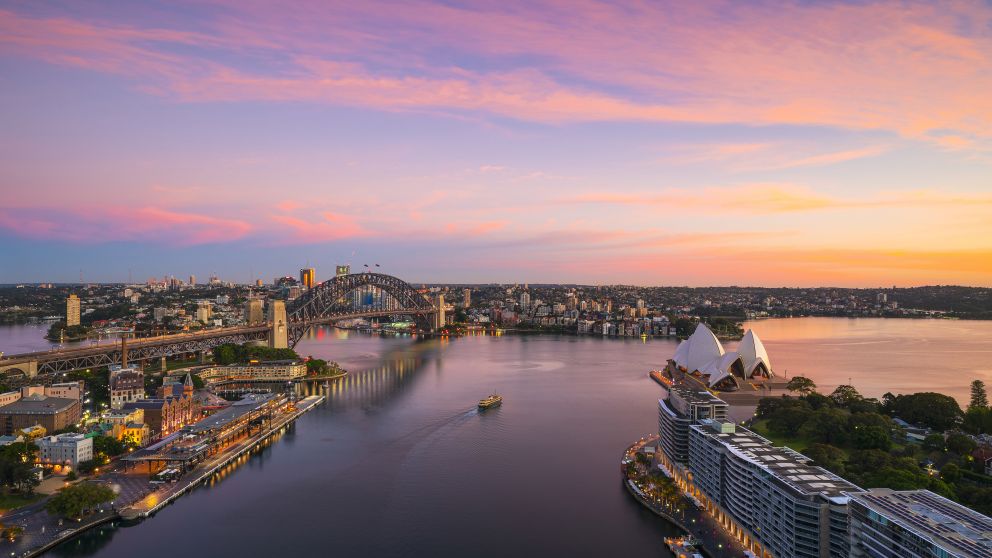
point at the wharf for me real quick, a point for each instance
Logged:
(202, 472)
(42, 534)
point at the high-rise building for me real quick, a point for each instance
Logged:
(683, 408)
(342, 270)
(72, 311)
(771, 498)
(524, 299)
(192, 280)
(204, 312)
(307, 277)
(467, 298)
(915, 524)
(253, 312)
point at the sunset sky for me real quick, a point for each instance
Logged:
(690, 143)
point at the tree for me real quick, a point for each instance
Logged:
(871, 437)
(960, 444)
(107, 446)
(979, 399)
(801, 385)
(16, 462)
(934, 442)
(788, 420)
(73, 501)
(845, 395)
(829, 457)
(828, 426)
(936, 410)
(978, 420)
(950, 473)
(88, 466)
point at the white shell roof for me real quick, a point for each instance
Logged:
(752, 352)
(703, 348)
(681, 354)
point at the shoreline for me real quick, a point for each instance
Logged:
(135, 512)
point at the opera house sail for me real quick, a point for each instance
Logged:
(702, 356)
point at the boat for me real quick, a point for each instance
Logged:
(683, 546)
(493, 400)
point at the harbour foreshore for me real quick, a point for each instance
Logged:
(149, 504)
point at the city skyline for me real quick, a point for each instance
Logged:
(802, 144)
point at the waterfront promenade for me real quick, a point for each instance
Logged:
(136, 497)
(714, 540)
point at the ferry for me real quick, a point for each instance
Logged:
(490, 402)
(683, 547)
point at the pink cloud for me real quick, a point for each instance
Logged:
(121, 224)
(324, 228)
(912, 68)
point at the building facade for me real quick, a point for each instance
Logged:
(126, 385)
(72, 308)
(769, 497)
(307, 275)
(273, 371)
(916, 524)
(65, 449)
(683, 408)
(52, 413)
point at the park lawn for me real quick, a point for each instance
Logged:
(798, 443)
(11, 501)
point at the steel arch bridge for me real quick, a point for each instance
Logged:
(329, 301)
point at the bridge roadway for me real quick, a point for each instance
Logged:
(142, 349)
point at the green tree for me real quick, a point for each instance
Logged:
(829, 457)
(73, 501)
(979, 399)
(845, 395)
(934, 442)
(978, 420)
(950, 472)
(871, 437)
(107, 446)
(936, 410)
(801, 385)
(960, 444)
(828, 426)
(88, 466)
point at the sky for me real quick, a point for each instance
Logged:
(649, 143)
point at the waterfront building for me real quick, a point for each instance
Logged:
(204, 312)
(307, 275)
(253, 312)
(52, 413)
(702, 356)
(769, 497)
(72, 310)
(173, 407)
(126, 385)
(65, 449)
(683, 408)
(270, 371)
(916, 524)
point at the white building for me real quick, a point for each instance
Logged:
(65, 449)
(702, 355)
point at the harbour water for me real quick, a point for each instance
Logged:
(399, 462)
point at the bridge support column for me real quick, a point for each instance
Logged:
(29, 369)
(164, 365)
(279, 330)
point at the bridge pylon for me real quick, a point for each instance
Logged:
(279, 329)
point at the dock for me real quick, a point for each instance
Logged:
(203, 471)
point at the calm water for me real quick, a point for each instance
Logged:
(399, 463)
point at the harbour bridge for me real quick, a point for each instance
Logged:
(359, 295)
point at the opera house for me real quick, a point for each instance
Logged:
(702, 356)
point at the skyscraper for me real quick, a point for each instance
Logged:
(307, 277)
(467, 298)
(192, 280)
(204, 312)
(72, 311)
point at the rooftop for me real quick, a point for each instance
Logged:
(39, 405)
(695, 396)
(949, 525)
(226, 416)
(784, 464)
